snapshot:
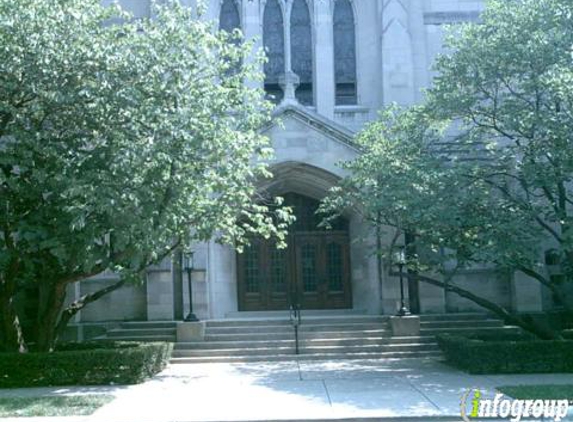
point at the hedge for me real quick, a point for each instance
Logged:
(85, 364)
(523, 356)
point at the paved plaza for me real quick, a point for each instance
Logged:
(400, 390)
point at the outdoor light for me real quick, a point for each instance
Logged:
(400, 261)
(188, 268)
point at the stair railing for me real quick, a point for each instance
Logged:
(296, 321)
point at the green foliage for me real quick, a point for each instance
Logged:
(11, 407)
(506, 88)
(85, 364)
(121, 140)
(480, 173)
(507, 357)
(538, 392)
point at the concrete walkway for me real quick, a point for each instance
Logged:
(390, 390)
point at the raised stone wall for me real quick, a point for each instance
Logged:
(125, 304)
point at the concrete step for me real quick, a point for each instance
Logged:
(462, 316)
(141, 332)
(468, 330)
(412, 339)
(348, 326)
(461, 324)
(129, 337)
(306, 349)
(148, 324)
(306, 320)
(262, 329)
(340, 342)
(305, 327)
(289, 335)
(249, 336)
(210, 345)
(317, 356)
(413, 347)
(285, 313)
(373, 333)
(250, 351)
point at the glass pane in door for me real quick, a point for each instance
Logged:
(309, 275)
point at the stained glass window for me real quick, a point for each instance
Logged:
(344, 53)
(229, 16)
(301, 50)
(273, 41)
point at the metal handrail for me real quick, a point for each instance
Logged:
(296, 321)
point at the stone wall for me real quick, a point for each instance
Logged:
(125, 304)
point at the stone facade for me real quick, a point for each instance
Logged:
(395, 43)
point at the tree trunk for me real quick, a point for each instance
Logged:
(79, 304)
(11, 336)
(51, 300)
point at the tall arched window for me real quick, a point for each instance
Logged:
(344, 53)
(273, 41)
(301, 50)
(229, 16)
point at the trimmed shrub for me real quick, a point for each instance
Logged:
(479, 356)
(95, 363)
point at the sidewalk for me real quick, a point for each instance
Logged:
(425, 390)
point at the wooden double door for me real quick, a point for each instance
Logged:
(313, 272)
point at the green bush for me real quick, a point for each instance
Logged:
(501, 336)
(85, 364)
(479, 356)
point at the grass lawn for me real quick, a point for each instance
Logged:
(52, 405)
(543, 392)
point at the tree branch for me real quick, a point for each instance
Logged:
(81, 303)
(491, 306)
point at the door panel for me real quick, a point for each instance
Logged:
(314, 271)
(250, 267)
(309, 275)
(263, 275)
(278, 285)
(337, 272)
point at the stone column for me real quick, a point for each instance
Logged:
(397, 57)
(324, 58)
(289, 81)
(419, 59)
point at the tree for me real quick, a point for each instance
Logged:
(121, 141)
(482, 169)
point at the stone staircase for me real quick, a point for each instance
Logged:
(249, 337)
(334, 336)
(320, 337)
(144, 331)
(462, 323)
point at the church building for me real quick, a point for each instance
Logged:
(332, 65)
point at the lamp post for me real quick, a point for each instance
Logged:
(400, 260)
(188, 267)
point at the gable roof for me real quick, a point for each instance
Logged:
(313, 120)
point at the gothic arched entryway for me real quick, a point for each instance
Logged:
(314, 271)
